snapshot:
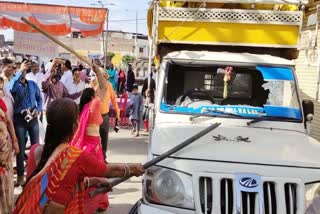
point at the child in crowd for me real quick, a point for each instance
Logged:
(146, 110)
(135, 107)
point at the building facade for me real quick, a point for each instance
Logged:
(308, 63)
(124, 43)
(6, 48)
(120, 43)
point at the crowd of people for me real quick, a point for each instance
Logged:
(64, 99)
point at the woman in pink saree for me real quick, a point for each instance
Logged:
(87, 137)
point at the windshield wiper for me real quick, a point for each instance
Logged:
(217, 113)
(202, 115)
(272, 118)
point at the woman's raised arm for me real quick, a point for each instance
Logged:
(102, 80)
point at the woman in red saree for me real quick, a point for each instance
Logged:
(59, 182)
(86, 138)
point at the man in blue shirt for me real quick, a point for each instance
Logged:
(27, 107)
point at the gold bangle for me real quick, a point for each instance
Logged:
(127, 170)
(129, 173)
(124, 169)
(86, 182)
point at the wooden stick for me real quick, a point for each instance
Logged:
(55, 40)
(159, 158)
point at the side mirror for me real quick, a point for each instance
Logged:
(308, 110)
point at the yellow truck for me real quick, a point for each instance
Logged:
(269, 27)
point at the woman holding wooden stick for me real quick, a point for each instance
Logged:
(59, 183)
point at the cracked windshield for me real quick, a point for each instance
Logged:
(244, 91)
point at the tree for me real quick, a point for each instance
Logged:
(128, 59)
(110, 55)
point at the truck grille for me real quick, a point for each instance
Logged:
(221, 194)
(269, 195)
(249, 203)
(206, 197)
(226, 196)
(291, 198)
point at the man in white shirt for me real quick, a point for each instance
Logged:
(67, 77)
(7, 70)
(77, 85)
(35, 75)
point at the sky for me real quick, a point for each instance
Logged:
(117, 9)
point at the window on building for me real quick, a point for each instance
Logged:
(77, 35)
(141, 50)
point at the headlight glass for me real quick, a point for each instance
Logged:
(168, 187)
(312, 195)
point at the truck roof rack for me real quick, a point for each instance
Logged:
(227, 27)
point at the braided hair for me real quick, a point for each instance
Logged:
(87, 95)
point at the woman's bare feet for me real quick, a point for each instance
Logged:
(133, 131)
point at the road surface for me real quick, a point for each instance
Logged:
(125, 148)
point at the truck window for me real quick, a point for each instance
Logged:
(241, 86)
(281, 93)
(244, 88)
(251, 91)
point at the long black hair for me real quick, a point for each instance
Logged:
(62, 118)
(87, 95)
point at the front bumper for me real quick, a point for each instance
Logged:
(155, 209)
(278, 183)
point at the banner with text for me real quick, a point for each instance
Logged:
(34, 44)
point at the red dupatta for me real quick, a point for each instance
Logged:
(77, 140)
(92, 108)
(41, 187)
(38, 190)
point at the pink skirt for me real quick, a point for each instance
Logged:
(101, 201)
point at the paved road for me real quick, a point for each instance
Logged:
(125, 148)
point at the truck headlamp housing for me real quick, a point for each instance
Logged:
(312, 196)
(168, 187)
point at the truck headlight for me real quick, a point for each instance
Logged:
(168, 187)
(312, 195)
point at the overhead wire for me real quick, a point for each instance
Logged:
(127, 20)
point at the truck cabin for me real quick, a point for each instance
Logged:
(243, 90)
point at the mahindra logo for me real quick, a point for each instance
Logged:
(248, 182)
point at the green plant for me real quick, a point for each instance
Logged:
(128, 59)
(110, 55)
